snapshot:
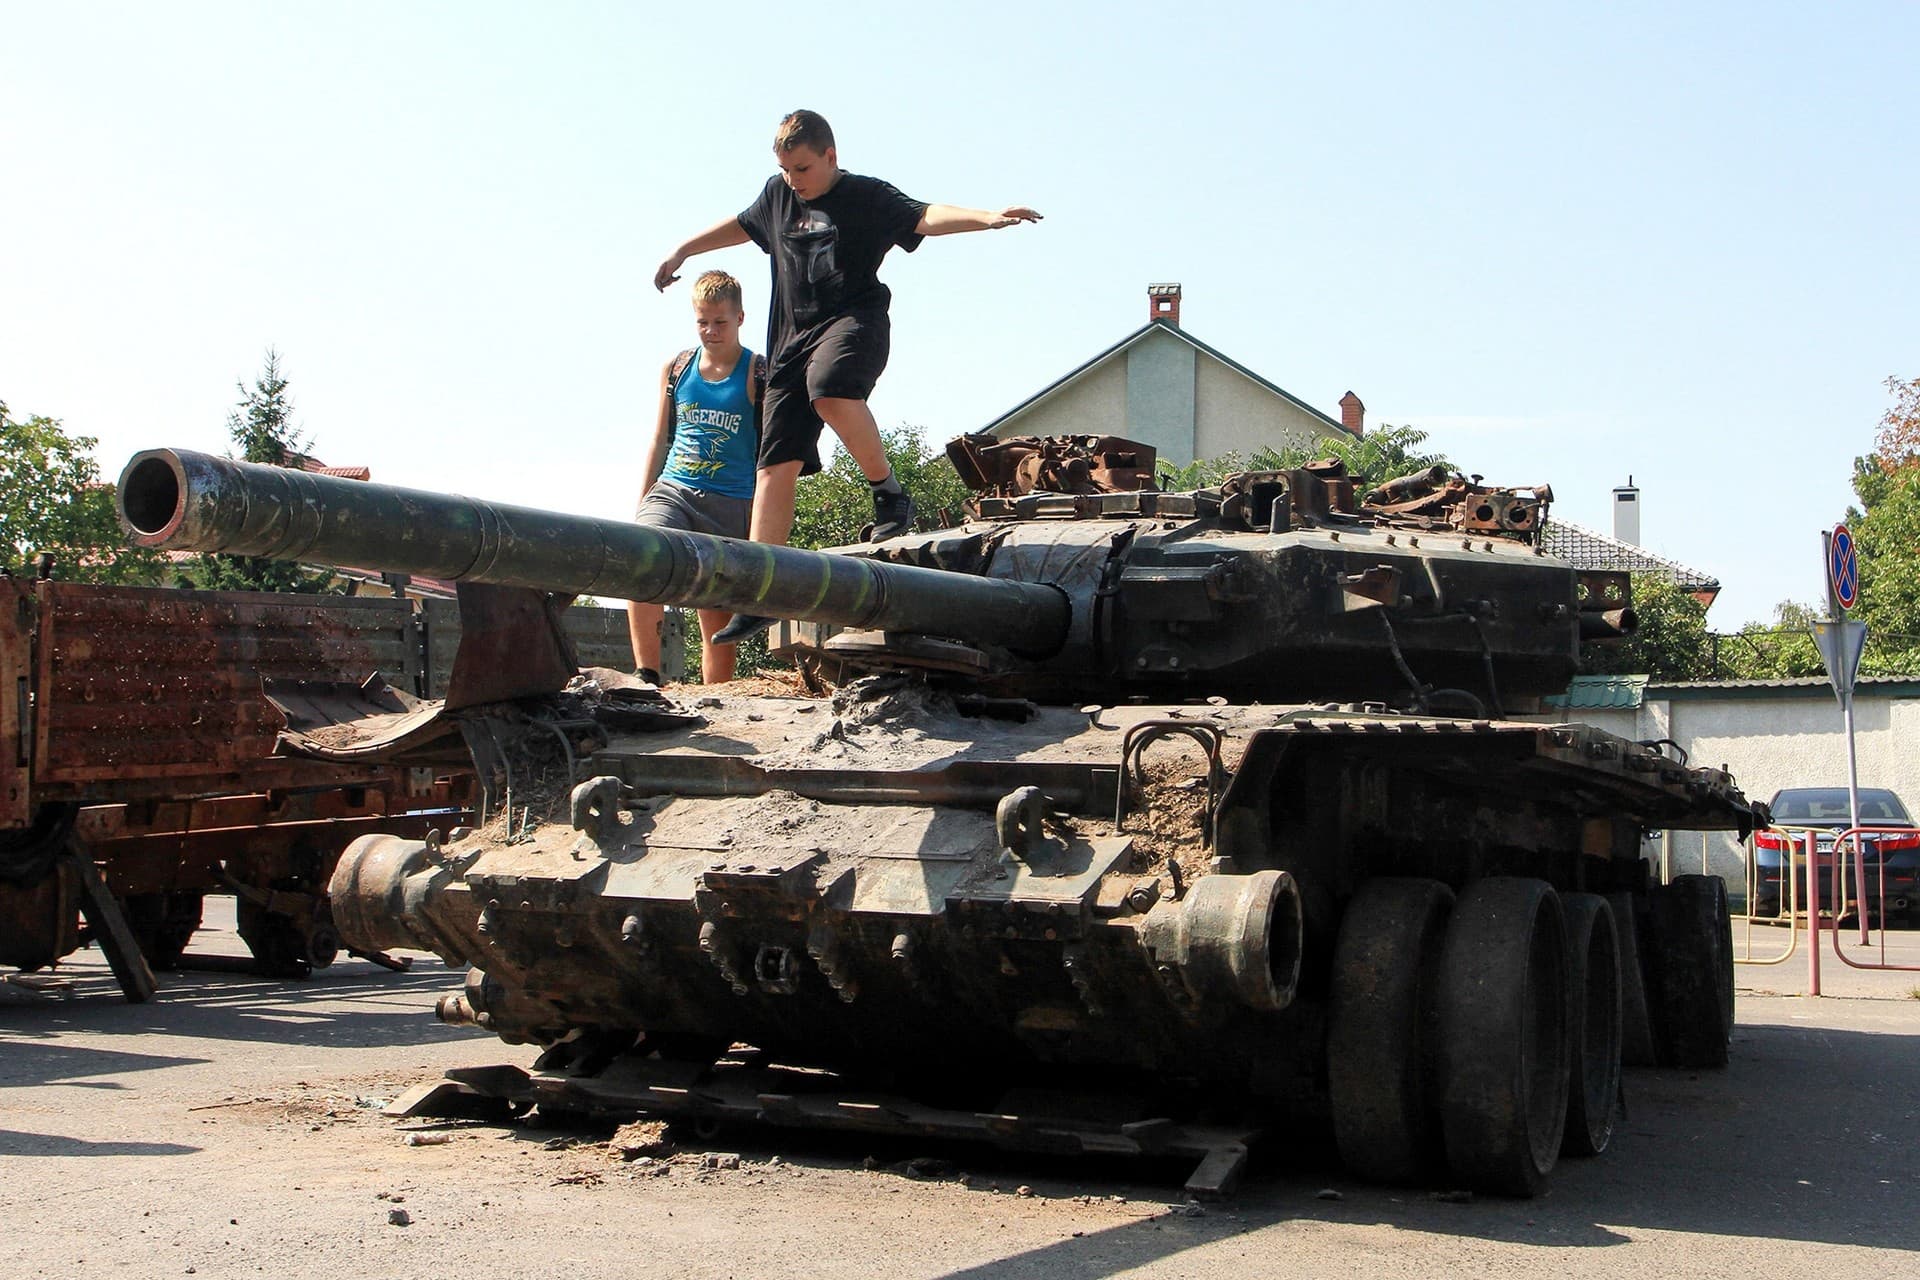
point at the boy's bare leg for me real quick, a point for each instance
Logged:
(853, 422)
(717, 661)
(773, 498)
(772, 521)
(643, 629)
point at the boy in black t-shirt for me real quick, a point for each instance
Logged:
(825, 232)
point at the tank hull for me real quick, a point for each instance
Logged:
(852, 885)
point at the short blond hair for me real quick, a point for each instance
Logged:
(717, 286)
(803, 129)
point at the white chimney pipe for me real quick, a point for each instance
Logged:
(1626, 513)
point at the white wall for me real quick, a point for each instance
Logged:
(1771, 742)
(1094, 404)
(1238, 415)
(1164, 392)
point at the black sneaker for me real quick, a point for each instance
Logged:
(892, 515)
(743, 626)
(648, 674)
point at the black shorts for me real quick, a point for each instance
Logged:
(841, 361)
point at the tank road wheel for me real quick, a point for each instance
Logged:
(1502, 1014)
(1636, 1024)
(1691, 971)
(1593, 1019)
(1378, 1038)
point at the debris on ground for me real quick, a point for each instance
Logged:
(428, 1139)
(720, 1160)
(399, 1218)
(768, 682)
(922, 1167)
(641, 1138)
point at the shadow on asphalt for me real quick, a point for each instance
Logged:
(351, 1005)
(1808, 1136)
(49, 1144)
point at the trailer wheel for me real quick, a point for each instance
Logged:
(1379, 1037)
(1593, 1022)
(1636, 1023)
(163, 924)
(1502, 1014)
(279, 948)
(1691, 970)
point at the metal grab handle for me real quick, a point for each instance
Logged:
(1145, 734)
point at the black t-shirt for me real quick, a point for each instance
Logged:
(826, 254)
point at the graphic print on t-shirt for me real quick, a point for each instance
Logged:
(715, 437)
(702, 436)
(810, 242)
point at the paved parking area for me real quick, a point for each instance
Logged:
(230, 1129)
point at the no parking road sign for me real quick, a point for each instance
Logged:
(1843, 567)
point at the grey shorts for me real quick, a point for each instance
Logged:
(670, 505)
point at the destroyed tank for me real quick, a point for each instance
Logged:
(1139, 821)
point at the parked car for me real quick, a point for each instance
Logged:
(1892, 856)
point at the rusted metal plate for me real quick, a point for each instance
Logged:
(138, 682)
(512, 646)
(99, 824)
(348, 723)
(16, 739)
(598, 635)
(193, 862)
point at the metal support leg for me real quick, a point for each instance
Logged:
(109, 927)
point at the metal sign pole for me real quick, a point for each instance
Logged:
(1853, 807)
(1813, 915)
(1841, 642)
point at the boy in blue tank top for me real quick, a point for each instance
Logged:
(699, 466)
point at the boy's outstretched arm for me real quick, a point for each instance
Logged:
(947, 219)
(721, 235)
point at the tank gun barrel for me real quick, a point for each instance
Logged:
(177, 499)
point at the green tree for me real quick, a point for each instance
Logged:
(1886, 528)
(261, 427)
(832, 505)
(1781, 651)
(52, 499)
(1886, 531)
(1202, 473)
(1671, 643)
(1380, 455)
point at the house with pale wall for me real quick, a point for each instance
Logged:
(1162, 386)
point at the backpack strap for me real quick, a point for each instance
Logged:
(680, 365)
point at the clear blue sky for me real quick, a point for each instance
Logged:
(1572, 242)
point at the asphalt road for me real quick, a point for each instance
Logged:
(230, 1129)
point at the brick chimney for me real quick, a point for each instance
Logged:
(1353, 414)
(1163, 303)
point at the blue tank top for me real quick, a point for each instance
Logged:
(716, 442)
